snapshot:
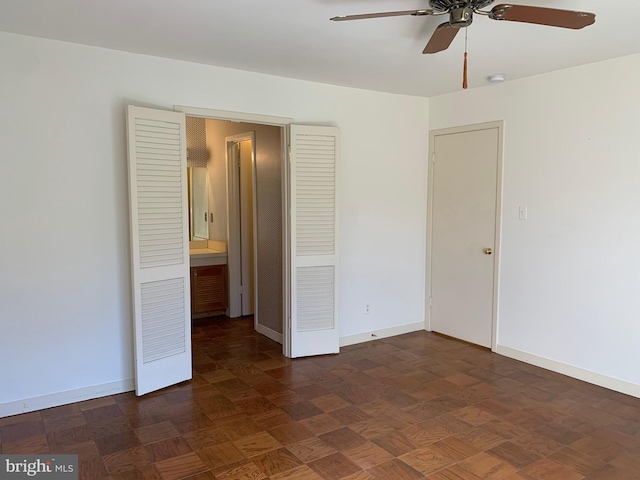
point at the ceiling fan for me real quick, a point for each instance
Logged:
(461, 13)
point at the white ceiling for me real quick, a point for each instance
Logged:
(294, 38)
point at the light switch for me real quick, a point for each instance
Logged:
(522, 213)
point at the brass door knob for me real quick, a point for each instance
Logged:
(488, 251)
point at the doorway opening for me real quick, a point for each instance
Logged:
(303, 179)
(246, 181)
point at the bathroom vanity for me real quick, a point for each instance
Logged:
(208, 279)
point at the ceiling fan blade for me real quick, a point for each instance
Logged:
(542, 16)
(415, 13)
(441, 38)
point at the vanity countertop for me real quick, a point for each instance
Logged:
(207, 256)
(206, 251)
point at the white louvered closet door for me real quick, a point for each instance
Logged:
(314, 245)
(159, 247)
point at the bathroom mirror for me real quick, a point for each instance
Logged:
(198, 203)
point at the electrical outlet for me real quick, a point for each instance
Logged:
(367, 308)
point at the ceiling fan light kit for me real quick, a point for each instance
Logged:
(461, 13)
(497, 78)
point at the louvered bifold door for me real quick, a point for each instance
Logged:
(159, 247)
(314, 246)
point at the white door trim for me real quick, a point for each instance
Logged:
(234, 116)
(286, 240)
(498, 232)
(283, 122)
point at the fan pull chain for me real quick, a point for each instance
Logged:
(465, 84)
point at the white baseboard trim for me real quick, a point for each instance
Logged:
(62, 398)
(267, 332)
(588, 376)
(378, 334)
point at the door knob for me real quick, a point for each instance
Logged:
(488, 251)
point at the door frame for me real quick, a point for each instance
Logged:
(498, 218)
(284, 123)
(234, 246)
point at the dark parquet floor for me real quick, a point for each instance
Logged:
(413, 406)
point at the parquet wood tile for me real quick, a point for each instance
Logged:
(245, 471)
(311, 449)
(368, 455)
(99, 414)
(334, 466)
(395, 469)
(276, 461)
(547, 469)
(126, 460)
(395, 443)
(320, 424)
(425, 460)
(454, 449)
(181, 466)
(514, 454)
(487, 466)
(584, 464)
(454, 473)
(20, 431)
(303, 472)
(343, 438)
(290, 432)
(59, 422)
(220, 455)
(482, 439)
(92, 468)
(86, 449)
(414, 406)
(117, 442)
(256, 444)
(538, 444)
(168, 448)
(25, 418)
(205, 437)
(34, 444)
(156, 432)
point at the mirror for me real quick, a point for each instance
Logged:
(198, 203)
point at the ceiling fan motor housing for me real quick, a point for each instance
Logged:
(461, 17)
(448, 5)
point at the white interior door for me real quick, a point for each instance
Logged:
(241, 254)
(159, 247)
(314, 246)
(247, 236)
(464, 176)
(234, 250)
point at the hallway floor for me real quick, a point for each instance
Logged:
(408, 407)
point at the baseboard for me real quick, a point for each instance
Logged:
(267, 332)
(62, 398)
(588, 376)
(378, 334)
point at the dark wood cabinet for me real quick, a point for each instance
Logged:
(208, 290)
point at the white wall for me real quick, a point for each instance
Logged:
(64, 246)
(570, 277)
